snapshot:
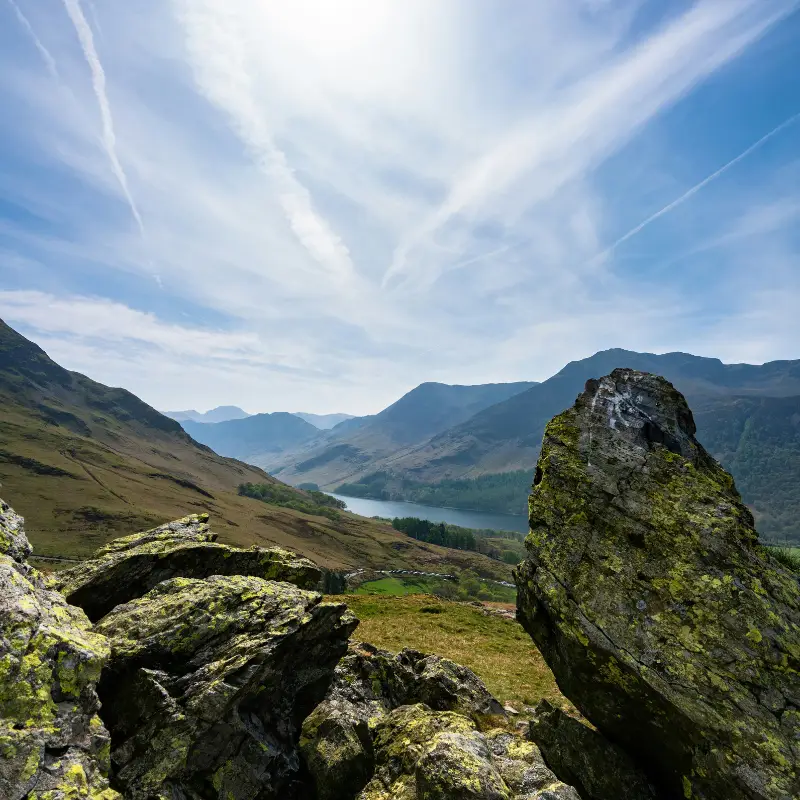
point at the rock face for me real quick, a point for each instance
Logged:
(586, 760)
(53, 745)
(128, 568)
(209, 681)
(648, 594)
(421, 754)
(368, 684)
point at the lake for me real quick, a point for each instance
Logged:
(455, 516)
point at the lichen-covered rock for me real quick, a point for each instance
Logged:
(53, 745)
(128, 568)
(192, 528)
(422, 754)
(337, 736)
(665, 623)
(13, 541)
(583, 758)
(209, 681)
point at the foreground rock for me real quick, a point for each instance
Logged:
(128, 568)
(421, 754)
(337, 741)
(53, 745)
(209, 681)
(586, 760)
(646, 591)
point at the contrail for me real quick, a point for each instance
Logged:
(48, 59)
(86, 38)
(695, 189)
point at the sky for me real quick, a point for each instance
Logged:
(317, 205)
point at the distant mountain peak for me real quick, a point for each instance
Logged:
(323, 421)
(218, 414)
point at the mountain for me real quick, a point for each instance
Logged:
(86, 463)
(323, 421)
(486, 461)
(354, 444)
(249, 438)
(218, 414)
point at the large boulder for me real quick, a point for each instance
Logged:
(369, 683)
(208, 684)
(129, 567)
(422, 754)
(53, 745)
(649, 596)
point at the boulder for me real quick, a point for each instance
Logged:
(53, 745)
(368, 684)
(585, 759)
(649, 596)
(128, 568)
(421, 754)
(208, 684)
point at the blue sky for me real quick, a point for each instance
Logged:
(316, 206)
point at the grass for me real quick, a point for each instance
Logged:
(496, 649)
(788, 556)
(394, 586)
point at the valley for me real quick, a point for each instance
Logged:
(85, 463)
(475, 448)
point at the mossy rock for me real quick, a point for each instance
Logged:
(422, 754)
(128, 568)
(53, 745)
(369, 683)
(209, 681)
(645, 588)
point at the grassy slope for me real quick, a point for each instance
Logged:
(496, 649)
(85, 463)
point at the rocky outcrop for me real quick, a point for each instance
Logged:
(421, 754)
(53, 745)
(583, 758)
(368, 684)
(663, 620)
(209, 681)
(128, 568)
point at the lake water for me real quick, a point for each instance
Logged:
(455, 516)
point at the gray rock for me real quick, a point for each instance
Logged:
(421, 754)
(583, 758)
(209, 681)
(646, 591)
(53, 745)
(128, 568)
(369, 683)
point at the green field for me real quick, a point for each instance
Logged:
(394, 586)
(496, 649)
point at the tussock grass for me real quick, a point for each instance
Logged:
(496, 649)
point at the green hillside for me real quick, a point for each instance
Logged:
(85, 463)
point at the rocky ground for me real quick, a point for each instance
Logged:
(171, 667)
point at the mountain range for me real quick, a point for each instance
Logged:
(85, 463)
(476, 446)
(218, 414)
(227, 413)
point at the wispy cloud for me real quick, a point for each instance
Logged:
(689, 193)
(48, 59)
(345, 199)
(216, 44)
(568, 138)
(86, 37)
